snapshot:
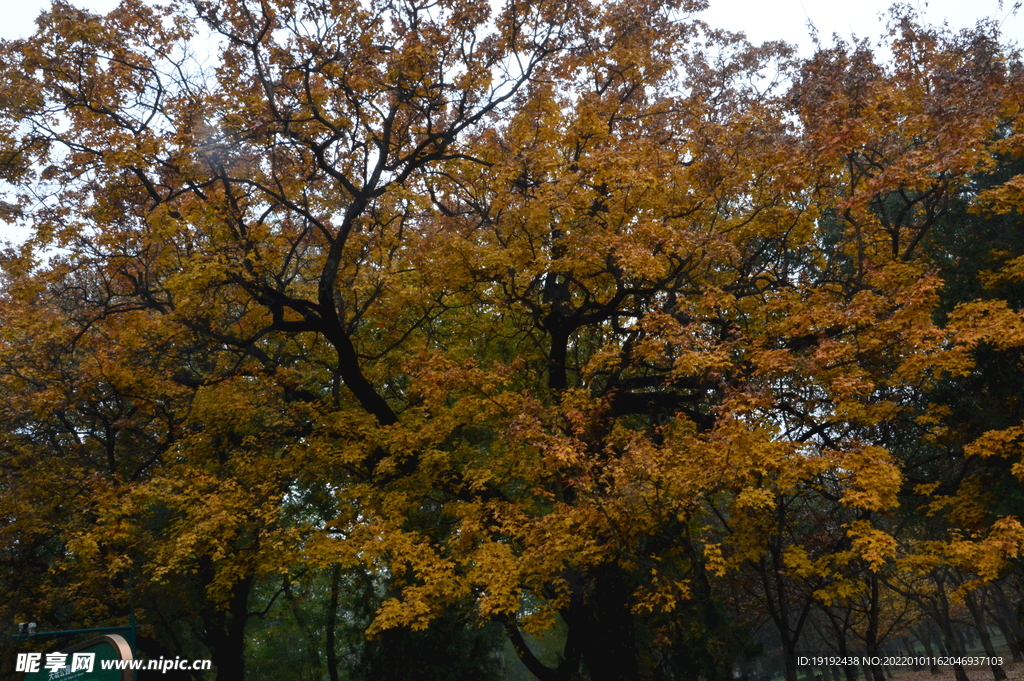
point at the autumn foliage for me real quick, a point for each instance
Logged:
(558, 316)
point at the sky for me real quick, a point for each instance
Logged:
(761, 20)
(787, 19)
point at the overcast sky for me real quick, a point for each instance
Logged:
(760, 19)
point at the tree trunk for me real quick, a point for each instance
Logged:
(1007, 633)
(866, 668)
(871, 635)
(609, 647)
(225, 633)
(940, 642)
(789, 658)
(332, 624)
(788, 623)
(953, 645)
(908, 645)
(849, 670)
(924, 635)
(966, 638)
(999, 608)
(971, 599)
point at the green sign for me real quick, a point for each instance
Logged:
(82, 662)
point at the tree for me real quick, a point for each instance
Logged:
(556, 313)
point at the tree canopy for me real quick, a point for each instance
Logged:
(557, 319)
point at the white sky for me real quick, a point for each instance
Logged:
(787, 19)
(760, 19)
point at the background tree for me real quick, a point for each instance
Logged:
(550, 318)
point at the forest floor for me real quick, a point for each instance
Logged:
(1014, 672)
